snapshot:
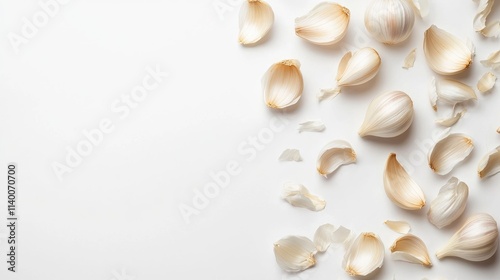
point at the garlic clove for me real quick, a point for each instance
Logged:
(256, 20)
(410, 59)
(445, 53)
(333, 155)
(492, 30)
(487, 82)
(450, 151)
(400, 187)
(364, 256)
(456, 114)
(299, 196)
(389, 21)
(388, 115)
(410, 248)
(492, 61)
(433, 97)
(290, 155)
(398, 226)
(476, 240)
(295, 253)
(489, 165)
(312, 126)
(421, 6)
(283, 84)
(325, 24)
(453, 92)
(328, 234)
(449, 204)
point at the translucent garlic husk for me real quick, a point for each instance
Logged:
(450, 151)
(295, 253)
(492, 61)
(256, 20)
(489, 164)
(364, 255)
(328, 234)
(487, 82)
(333, 155)
(449, 204)
(402, 227)
(389, 21)
(410, 248)
(410, 59)
(299, 196)
(283, 84)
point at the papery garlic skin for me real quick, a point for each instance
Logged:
(333, 155)
(476, 240)
(283, 84)
(290, 155)
(410, 248)
(449, 151)
(398, 226)
(487, 82)
(388, 115)
(299, 196)
(325, 24)
(328, 234)
(489, 165)
(256, 20)
(453, 91)
(492, 61)
(364, 255)
(389, 21)
(312, 126)
(449, 204)
(421, 6)
(455, 116)
(410, 59)
(295, 253)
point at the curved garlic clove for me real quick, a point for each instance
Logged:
(389, 21)
(487, 82)
(410, 248)
(410, 59)
(492, 61)
(256, 20)
(325, 24)
(453, 92)
(283, 84)
(299, 196)
(398, 226)
(333, 155)
(295, 253)
(449, 204)
(400, 187)
(476, 240)
(445, 53)
(489, 165)
(421, 6)
(364, 256)
(388, 115)
(328, 234)
(450, 151)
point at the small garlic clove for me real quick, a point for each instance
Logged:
(364, 256)
(450, 151)
(283, 84)
(492, 61)
(388, 115)
(449, 204)
(295, 253)
(400, 187)
(433, 97)
(492, 30)
(482, 12)
(476, 240)
(456, 114)
(445, 53)
(389, 21)
(333, 155)
(290, 155)
(410, 59)
(398, 226)
(256, 20)
(325, 24)
(328, 234)
(410, 248)
(299, 196)
(489, 165)
(487, 82)
(453, 92)
(312, 126)
(421, 6)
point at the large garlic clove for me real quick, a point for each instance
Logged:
(410, 248)
(312, 126)
(449, 151)
(295, 253)
(489, 165)
(283, 84)
(325, 24)
(492, 61)
(256, 20)
(445, 53)
(487, 82)
(299, 196)
(398, 226)
(476, 240)
(388, 115)
(333, 155)
(400, 187)
(389, 21)
(328, 234)
(449, 204)
(453, 92)
(364, 256)
(410, 59)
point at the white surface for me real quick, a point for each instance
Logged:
(118, 210)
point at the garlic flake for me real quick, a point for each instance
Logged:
(283, 84)
(410, 59)
(328, 234)
(421, 6)
(389, 21)
(364, 256)
(295, 253)
(299, 196)
(290, 155)
(333, 155)
(312, 126)
(456, 114)
(398, 226)
(410, 248)
(256, 19)
(492, 61)
(489, 165)
(449, 151)
(449, 204)
(487, 82)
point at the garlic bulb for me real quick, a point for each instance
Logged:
(400, 187)
(283, 84)
(389, 21)
(364, 256)
(449, 151)
(325, 24)
(445, 53)
(410, 248)
(489, 165)
(256, 19)
(487, 82)
(453, 92)
(333, 155)
(389, 115)
(354, 69)
(449, 204)
(295, 253)
(299, 196)
(476, 240)
(398, 226)
(328, 234)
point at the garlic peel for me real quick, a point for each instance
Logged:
(398, 226)
(389, 21)
(295, 253)
(333, 155)
(410, 59)
(450, 151)
(312, 126)
(489, 164)
(299, 196)
(410, 248)
(487, 82)
(433, 97)
(492, 61)
(421, 6)
(290, 155)
(456, 114)
(449, 204)
(364, 255)
(256, 20)
(283, 84)
(328, 234)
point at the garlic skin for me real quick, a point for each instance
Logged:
(455, 116)
(295, 253)
(489, 164)
(492, 61)
(449, 204)
(364, 256)
(389, 21)
(453, 91)
(476, 240)
(398, 226)
(433, 94)
(328, 234)
(299, 196)
(491, 29)
(410, 248)
(487, 82)
(256, 20)
(290, 155)
(325, 24)
(445, 53)
(421, 6)
(388, 115)
(449, 151)
(312, 126)
(333, 155)
(283, 84)
(410, 59)
(400, 187)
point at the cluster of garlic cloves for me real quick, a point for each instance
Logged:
(256, 20)
(449, 204)
(333, 155)
(283, 84)
(389, 21)
(364, 255)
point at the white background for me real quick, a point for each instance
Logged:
(116, 215)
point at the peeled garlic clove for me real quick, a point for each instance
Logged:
(312, 126)
(256, 19)
(450, 151)
(364, 256)
(487, 82)
(325, 24)
(454, 118)
(476, 240)
(299, 196)
(283, 84)
(492, 61)
(410, 248)
(333, 155)
(410, 59)
(445, 53)
(421, 6)
(433, 94)
(449, 204)
(290, 155)
(389, 115)
(453, 92)
(489, 165)
(400, 187)
(398, 226)
(295, 253)
(328, 234)
(389, 21)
